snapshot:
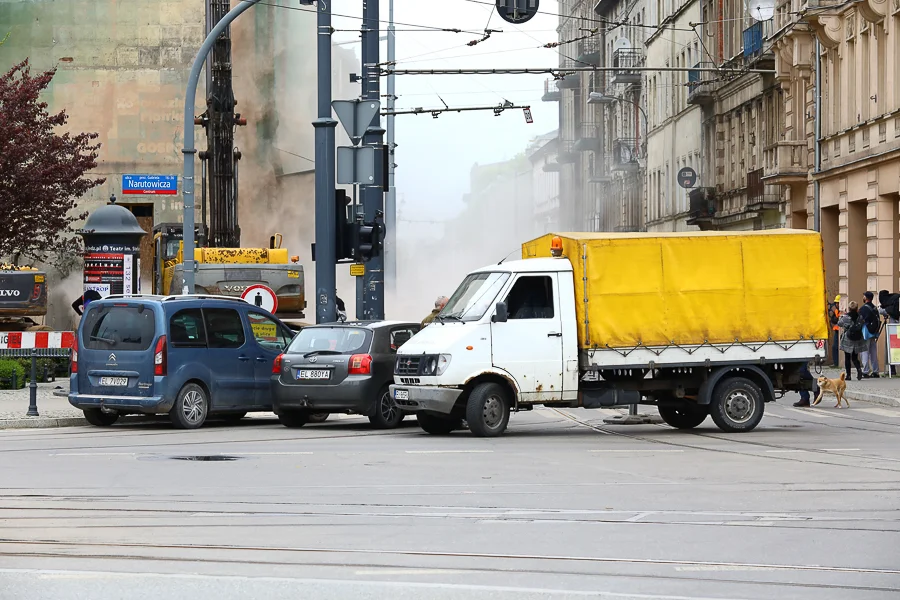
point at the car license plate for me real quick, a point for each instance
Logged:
(114, 381)
(401, 394)
(309, 374)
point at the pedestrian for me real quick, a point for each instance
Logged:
(82, 301)
(834, 314)
(889, 309)
(805, 375)
(439, 305)
(852, 341)
(869, 313)
(340, 309)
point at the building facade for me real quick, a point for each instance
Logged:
(674, 138)
(543, 153)
(855, 48)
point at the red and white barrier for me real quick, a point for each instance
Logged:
(27, 340)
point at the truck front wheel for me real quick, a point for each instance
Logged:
(737, 405)
(685, 415)
(487, 411)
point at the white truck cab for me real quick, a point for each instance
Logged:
(510, 330)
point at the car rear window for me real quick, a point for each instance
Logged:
(343, 340)
(119, 328)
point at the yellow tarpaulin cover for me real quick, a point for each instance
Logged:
(691, 288)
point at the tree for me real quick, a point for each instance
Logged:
(42, 172)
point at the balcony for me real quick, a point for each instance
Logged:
(571, 80)
(588, 137)
(551, 91)
(760, 195)
(551, 167)
(785, 162)
(625, 61)
(567, 153)
(589, 51)
(625, 155)
(756, 51)
(702, 207)
(700, 92)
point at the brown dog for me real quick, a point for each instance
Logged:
(835, 386)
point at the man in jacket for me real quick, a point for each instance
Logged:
(834, 315)
(869, 314)
(439, 305)
(890, 309)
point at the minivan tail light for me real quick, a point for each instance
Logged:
(276, 365)
(159, 357)
(360, 364)
(74, 366)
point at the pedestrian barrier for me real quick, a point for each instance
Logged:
(34, 345)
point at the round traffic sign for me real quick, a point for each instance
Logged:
(517, 11)
(687, 177)
(261, 296)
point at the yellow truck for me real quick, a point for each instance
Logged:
(229, 271)
(698, 324)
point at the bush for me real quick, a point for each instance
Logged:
(7, 368)
(54, 366)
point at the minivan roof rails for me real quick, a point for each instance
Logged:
(168, 298)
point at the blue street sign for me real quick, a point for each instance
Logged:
(150, 184)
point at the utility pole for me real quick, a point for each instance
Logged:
(390, 202)
(326, 214)
(372, 196)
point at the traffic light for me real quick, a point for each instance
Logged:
(367, 239)
(343, 235)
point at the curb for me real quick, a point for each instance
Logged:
(873, 398)
(42, 422)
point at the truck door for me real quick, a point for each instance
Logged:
(529, 345)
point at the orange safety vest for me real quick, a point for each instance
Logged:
(837, 314)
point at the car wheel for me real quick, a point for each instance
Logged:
(487, 411)
(684, 415)
(293, 418)
(97, 417)
(737, 405)
(387, 414)
(436, 425)
(232, 418)
(318, 417)
(191, 407)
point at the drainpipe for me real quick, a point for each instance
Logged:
(817, 202)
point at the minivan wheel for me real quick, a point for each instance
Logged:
(97, 417)
(191, 407)
(487, 411)
(293, 418)
(387, 414)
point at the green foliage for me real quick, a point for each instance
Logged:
(54, 366)
(7, 368)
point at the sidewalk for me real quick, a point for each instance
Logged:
(884, 391)
(55, 411)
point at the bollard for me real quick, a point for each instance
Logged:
(15, 380)
(32, 403)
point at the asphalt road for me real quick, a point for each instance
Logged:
(562, 506)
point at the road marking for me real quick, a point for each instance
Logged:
(147, 454)
(881, 412)
(810, 413)
(839, 449)
(785, 451)
(410, 571)
(637, 450)
(94, 454)
(449, 451)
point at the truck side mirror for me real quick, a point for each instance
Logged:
(502, 314)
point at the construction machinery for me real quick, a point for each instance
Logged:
(23, 296)
(222, 266)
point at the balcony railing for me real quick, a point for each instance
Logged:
(760, 193)
(589, 51)
(588, 135)
(786, 162)
(626, 152)
(700, 92)
(753, 39)
(551, 91)
(625, 61)
(572, 79)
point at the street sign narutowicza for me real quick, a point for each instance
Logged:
(356, 116)
(261, 296)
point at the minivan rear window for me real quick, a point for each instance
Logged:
(338, 340)
(119, 328)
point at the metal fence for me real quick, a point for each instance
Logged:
(34, 354)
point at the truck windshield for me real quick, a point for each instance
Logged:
(474, 296)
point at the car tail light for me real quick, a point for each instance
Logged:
(74, 366)
(276, 365)
(36, 292)
(159, 357)
(360, 364)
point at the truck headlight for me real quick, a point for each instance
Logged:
(435, 365)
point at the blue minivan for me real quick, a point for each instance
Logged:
(190, 357)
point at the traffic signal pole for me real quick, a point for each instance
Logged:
(390, 203)
(326, 211)
(372, 196)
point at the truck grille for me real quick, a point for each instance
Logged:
(410, 380)
(407, 365)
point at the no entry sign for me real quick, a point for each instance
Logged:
(261, 296)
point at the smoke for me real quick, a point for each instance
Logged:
(62, 293)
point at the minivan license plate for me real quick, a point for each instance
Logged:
(114, 381)
(401, 394)
(308, 374)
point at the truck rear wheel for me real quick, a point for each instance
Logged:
(737, 405)
(436, 425)
(487, 411)
(685, 415)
